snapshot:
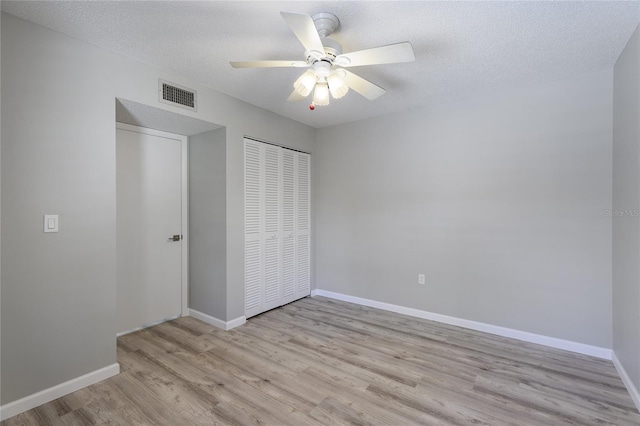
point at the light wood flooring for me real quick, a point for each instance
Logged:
(323, 362)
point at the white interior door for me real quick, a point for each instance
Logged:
(149, 196)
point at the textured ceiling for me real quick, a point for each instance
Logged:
(463, 49)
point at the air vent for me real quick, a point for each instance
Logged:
(173, 94)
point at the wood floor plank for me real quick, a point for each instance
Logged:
(609, 413)
(139, 402)
(359, 401)
(237, 381)
(493, 405)
(331, 412)
(184, 338)
(319, 361)
(175, 391)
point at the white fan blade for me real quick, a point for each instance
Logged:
(295, 97)
(268, 64)
(304, 28)
(362, 86)
(391, 54)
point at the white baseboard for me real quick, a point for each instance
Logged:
(236, 322)
(553, 342)
(633, 391)
(225, 325)
(314, 293)
(32, 401)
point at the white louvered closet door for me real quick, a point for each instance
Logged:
(303, 225)
(277, 223)
(288, 225)
(253, 190)
(271, 236)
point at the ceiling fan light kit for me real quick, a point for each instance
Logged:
(326, 61)
(321, 93)
(304, 84)
(337, 86)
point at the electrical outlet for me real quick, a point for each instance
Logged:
(421, 279)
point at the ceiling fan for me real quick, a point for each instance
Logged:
(327, 62)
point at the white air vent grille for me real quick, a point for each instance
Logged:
(173, 94)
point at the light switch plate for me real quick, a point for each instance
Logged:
(50, 223)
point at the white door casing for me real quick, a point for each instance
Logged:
(151, 207)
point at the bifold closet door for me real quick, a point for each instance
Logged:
(303, 225)
(277, 224)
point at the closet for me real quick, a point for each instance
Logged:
(277, 225)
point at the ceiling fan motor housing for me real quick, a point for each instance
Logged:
(331, 47)
(326, 23)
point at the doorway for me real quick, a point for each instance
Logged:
(151, 230)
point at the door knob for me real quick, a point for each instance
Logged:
(176, 237)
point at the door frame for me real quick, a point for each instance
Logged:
(184, 163)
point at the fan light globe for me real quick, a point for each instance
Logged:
(337, 86)
(321, 94)
(305, 83)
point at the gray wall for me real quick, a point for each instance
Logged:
(626, 204)
(499, 200)
(0, 211)
(58, 293)
(207, 223)
(58, 156)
